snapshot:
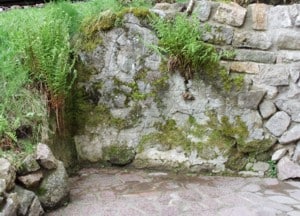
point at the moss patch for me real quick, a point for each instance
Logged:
(119, 155)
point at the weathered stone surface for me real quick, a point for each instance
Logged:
(289, 41)
(245, 67)
(231, 14)
(254, 56)
(287, 169)
(202, 10)
(296, 155)
(8, 173)
(266, 109)
(297, 21)
(259, 16)
(290, 106)
(272, 75)
(218, 34)
(2, 186)
(278, 123)
(279, 17)
(119, 155)
(166, 9)
(293, 134)
(54, 190)
(271, 91)
(28, 165)
(260, 166)
(251, 174)
(45, 156)
(277, 155)
(11, 205)
(284, 56)
(253, 40)
(31, 180)
(25, 198)
(250, 99)
(36, 208)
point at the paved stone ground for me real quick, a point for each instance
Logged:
(121, 192)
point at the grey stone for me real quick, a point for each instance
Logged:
(28, 165)
(255, 56)
(272, 75)
(8, 173)
(277, 155)
(11, 205)
(202, 10)
(251, 174)
(45, 157)
(289, 41)
(54, 191)
(2, 186)
(297, 21)
(36, 208)
(283, 200)
(231, 14)
(25, 198)
(266, 109)
(31, 180)
(278, 123)
(252, 40)
(296, 155)
(250, 99)
(287, 169)
(271, 91)
(284, 56)
(293, 134)
(290, 106)
(260, 166)
(259, 16)
(219, 34)
(279, 17)
(295, 72)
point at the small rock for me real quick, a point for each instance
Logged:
(231, 14)
(296, 156)
(8, 173)
(245, 67)
(54, 191)
(36, 208)
(260, 166)
(2, 186)
(287, 169)
(11, 205)
(250, 99)
(31, 180)
(251, 174)
(45, 157)
(291, 135)
(267, 108)
(277, 155)
(202, 10)
(278, 123)
(279, 17)
(25, 198)
(28, 165)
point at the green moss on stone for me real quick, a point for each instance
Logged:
(119, 155)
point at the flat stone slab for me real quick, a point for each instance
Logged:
(141, 192)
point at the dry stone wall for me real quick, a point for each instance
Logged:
(142, 107)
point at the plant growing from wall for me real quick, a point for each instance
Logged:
(180, 39)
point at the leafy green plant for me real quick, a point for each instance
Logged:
(272, 172)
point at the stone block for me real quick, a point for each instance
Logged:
(231, 14)
(252, 40)
(297, 21)
(277, 155)
(287, 169)
(293, 134)
(290, 106)
(250, 99)
(288, 56)
(296, 155)
(45, 156)
(279, 17)
(31, 180)
(218, 34)
(244, 67)
(28, 165)
(272, 75)
(259, 16)
(266, 109)
(255, 56)
(202, 10)
(289, 41)
(278, 123)
(260, 166)
(8, 173)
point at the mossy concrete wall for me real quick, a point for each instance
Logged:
(129, 98)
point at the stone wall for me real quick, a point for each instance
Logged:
(134, 102)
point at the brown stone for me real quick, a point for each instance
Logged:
(245, 67)
(31, 180)
(259, 16)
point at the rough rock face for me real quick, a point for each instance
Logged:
(7, 172)
(45, 157)
(54, 191)
(28, 165)
(288, 169)
(134, 102)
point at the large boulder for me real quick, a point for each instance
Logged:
(54, 190)
(8, 173)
